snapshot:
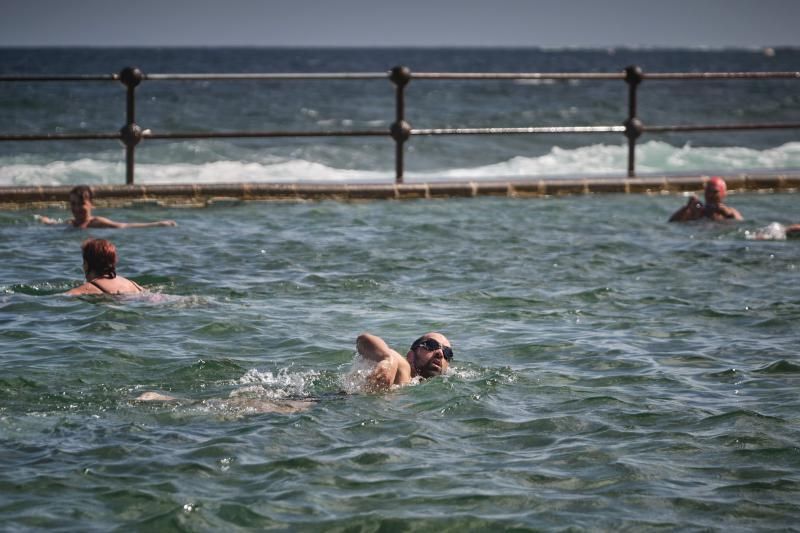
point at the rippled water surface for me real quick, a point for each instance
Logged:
(611, 371)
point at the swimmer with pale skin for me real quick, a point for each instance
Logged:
(429, 356)
(713, 209)
(774, 232)
(80, 203)
(240, 404)
(99, 268)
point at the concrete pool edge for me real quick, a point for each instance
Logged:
(221, 194)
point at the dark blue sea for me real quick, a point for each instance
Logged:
(309, 106)
(612, 372)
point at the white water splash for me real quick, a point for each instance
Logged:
(771, 232)
(275, 386)
(587, 161)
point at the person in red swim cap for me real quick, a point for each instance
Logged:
(715, 192)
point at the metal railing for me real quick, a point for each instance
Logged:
(131, 133)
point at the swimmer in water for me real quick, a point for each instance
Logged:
(80, 203)
(714, 209)
(429, 356)
(99, 267)
(236, 403)
(774, 232)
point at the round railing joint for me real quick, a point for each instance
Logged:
(400, 75)
(131, 76)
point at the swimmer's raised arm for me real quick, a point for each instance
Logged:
(373, 347)
(392, 368)
(692, 210)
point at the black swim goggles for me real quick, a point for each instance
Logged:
(432, 345)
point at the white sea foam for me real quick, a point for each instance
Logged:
(282, 384)
(771, 232)
(593, 160)
(652, 157)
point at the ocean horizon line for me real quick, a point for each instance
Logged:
(576, 48)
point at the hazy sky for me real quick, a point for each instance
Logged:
(547, 23)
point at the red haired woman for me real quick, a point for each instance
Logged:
(99, 266)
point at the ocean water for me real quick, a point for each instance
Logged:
(192, 106)
(612, 371)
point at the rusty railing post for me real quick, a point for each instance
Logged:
(400, 129)
(130, 133)
(633, 126)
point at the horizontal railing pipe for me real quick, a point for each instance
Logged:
(719, 75)
(265, 134)
(269, 76)
(61, 137)
(722, 127)
(278, 76)
(517, 76)
(414, 132)
(518, 131)
(59, 77)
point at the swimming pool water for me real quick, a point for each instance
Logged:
(611, 371)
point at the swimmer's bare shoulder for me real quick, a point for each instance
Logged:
(86, 288)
